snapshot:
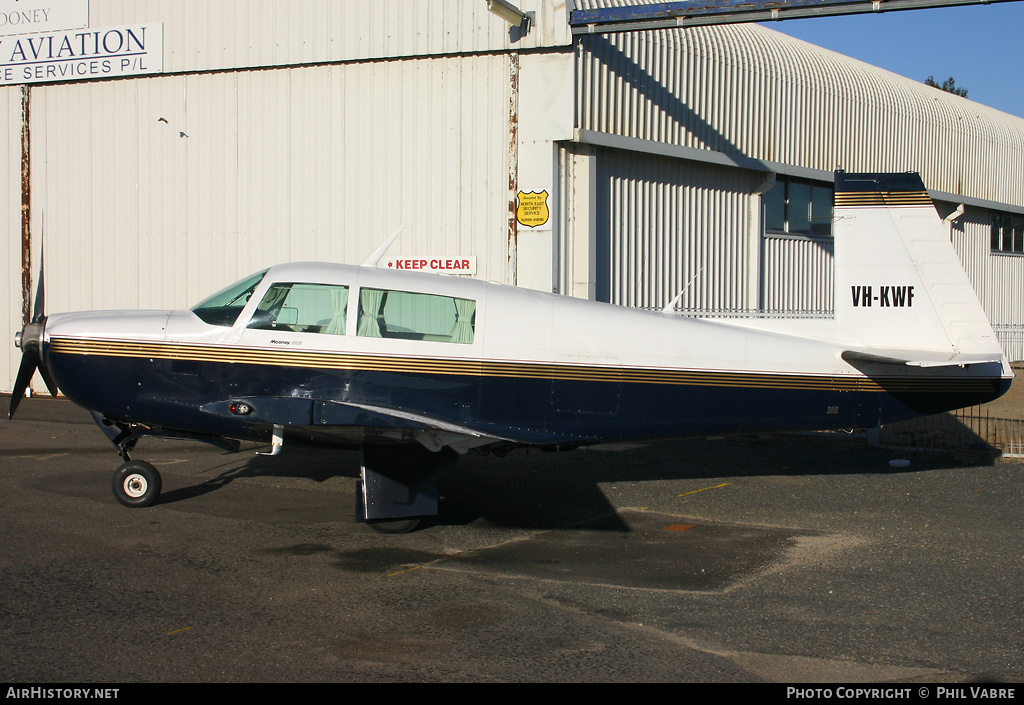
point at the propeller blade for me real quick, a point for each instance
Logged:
(31, 349)
(51, 386)
(37, 311)
(29, 362)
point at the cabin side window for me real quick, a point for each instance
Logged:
(415, 316)
(302, 308)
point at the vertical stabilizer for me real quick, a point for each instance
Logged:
(899, 283)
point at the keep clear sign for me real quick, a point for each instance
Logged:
(82, 54)
(438, 264)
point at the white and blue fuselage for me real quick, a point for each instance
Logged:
(372, 356)
(538, 369)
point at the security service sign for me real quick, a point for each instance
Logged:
(532, 208)
(82, 54)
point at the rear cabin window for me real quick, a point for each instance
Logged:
(414, 316)
(302, 308)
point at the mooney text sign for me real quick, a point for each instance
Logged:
(30, 16)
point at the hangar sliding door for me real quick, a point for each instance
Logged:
(665, 226)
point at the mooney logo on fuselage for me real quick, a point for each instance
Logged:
(887, 296)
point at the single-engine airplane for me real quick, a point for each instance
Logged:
(378, 358)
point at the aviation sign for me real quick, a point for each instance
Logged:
(82, 54)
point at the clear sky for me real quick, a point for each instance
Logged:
(980, 46)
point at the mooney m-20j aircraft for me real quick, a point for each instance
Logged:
(379, 358)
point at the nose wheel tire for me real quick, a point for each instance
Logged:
(136, 484)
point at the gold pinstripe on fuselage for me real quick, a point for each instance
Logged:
(327, 360)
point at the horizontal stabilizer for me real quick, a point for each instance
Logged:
(920, 358)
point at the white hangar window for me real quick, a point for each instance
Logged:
(798, 207)
(1007, 233)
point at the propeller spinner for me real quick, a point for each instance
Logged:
(30, 341)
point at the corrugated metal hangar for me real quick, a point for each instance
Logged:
(157, 150)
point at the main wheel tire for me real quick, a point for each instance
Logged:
(393, 526)
(136, 484)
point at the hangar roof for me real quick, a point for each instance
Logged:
(750, 91)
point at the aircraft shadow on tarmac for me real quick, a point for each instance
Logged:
(540, 490)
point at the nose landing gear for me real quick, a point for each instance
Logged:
(136, 483)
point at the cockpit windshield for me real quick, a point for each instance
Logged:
(222, 308)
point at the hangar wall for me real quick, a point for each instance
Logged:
(997, 278)
(284, 162)
(271, 132)
(311, 129)
(241, 34)
(157, 191)
(760, 102)
(797, 275)
(10, 223)
(640, 206)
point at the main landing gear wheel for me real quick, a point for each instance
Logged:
(393, 526)
(136, 484)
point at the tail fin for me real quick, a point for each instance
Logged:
(900, 288)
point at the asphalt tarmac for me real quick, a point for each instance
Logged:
(793, 559)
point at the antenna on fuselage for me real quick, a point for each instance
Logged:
(670, 307)
(378, 254)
